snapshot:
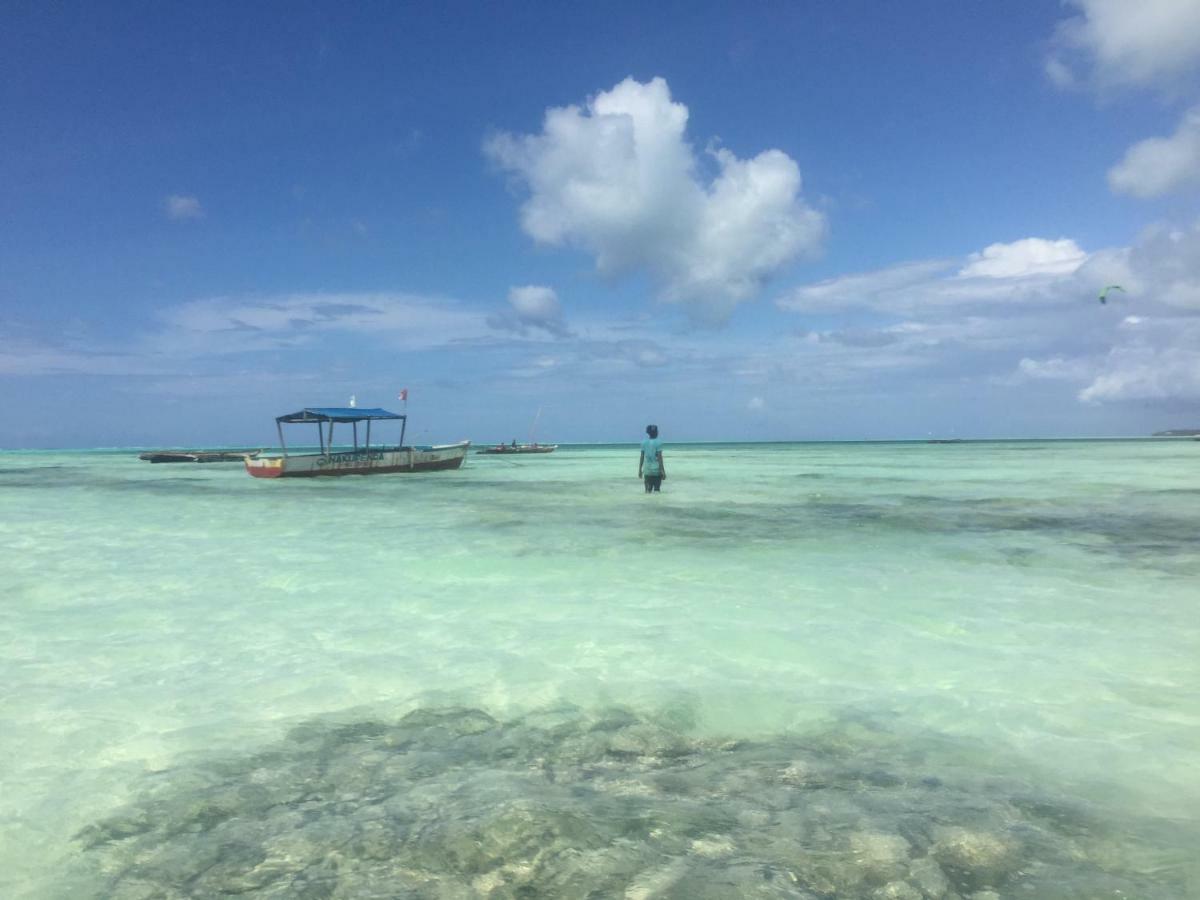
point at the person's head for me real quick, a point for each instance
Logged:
(652, 430)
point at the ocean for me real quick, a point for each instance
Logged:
(870, 670)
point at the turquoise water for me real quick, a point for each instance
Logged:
(803, 670)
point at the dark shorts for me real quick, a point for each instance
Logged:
(653, 483)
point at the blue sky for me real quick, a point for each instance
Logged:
(815, 220)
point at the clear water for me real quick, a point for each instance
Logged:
(987, 653)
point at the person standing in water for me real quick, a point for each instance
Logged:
(650, 463)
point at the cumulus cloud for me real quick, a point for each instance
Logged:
(1123, 43)
(181, 207)
(1160, 165)
(1149, 43)
(532, 306)
(1029, 256)
(619, 179)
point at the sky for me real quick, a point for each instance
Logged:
(811, 220)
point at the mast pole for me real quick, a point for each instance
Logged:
(533, 427)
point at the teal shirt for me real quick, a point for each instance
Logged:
(651, 447)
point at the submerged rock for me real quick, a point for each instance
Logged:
(452, 803)
(975, 860)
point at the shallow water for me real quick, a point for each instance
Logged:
(803, 670)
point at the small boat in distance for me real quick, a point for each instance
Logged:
(367, 460)
(197, 456)
(514, 447)
(532, 447)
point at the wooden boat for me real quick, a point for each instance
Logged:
(197, 456)
(366, 460)
(532, 447)
(520, 448)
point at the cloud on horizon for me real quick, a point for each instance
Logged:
(1035, 305)
(619, 179)
(1003, 320)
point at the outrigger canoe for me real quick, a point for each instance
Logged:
(366, 460)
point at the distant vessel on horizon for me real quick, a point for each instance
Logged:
(514, 448)
(198, 456)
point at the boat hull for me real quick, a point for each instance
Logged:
(197, 456)
(506, 450)
(391, 461)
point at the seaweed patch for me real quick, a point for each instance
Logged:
(452, 803)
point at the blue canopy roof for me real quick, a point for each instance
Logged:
(336, 414)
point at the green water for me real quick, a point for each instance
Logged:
(969, 643)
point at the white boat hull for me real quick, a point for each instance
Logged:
(386, 461)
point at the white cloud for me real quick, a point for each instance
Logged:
(532, 306)
(863, 288)
(1029, 306)
(1029, 256)
(1057, 368)
(756, 404)
(181, 207)
(1028, 271)
(1147, 372)
(620, 180)
(1123, 42)
(1160, 165)
(1152, 354)
(1164, 267)
(1138, 43)
(535, 303)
